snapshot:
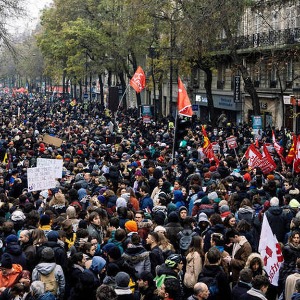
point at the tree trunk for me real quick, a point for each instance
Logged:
(210, 100)
(101, 91)
(250, 89)
(123, 83)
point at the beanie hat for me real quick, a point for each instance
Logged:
(44, 220)
(114, 253)
(294, 203)
(159, 217)
(181, 208)
(47, 254)
(121, 202)
(107, 247)
(131, 226)
(173, 217)
(122, 280)
(6, 261)
(224, 208)
(17, 215)
(98, 263)
(11, 239)
(159, 228)
(52, 236)
(212, 196)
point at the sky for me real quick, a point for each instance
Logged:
(33, 8)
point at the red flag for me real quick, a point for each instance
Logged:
(267, 164)
(256, 143)
(277, 147)
(253, 156)
(138, 80)
(270, 252)
(207, 148)
(296, 166)
(291, 155)
(183, 103)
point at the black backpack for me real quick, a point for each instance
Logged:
(212, 284)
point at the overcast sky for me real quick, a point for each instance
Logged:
(33, 8)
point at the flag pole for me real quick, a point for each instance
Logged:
(122, 97)
(174, 139)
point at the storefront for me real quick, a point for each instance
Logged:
(224, 103)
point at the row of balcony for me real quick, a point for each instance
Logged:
(287, 36)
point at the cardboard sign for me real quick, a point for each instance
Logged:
(48, 139)
(48, 162)
(42, 178)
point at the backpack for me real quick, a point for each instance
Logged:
(212, 284)
(50, 282)
(185, 238)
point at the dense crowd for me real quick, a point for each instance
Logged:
(130, 218)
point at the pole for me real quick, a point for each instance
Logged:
(174, 139)
(122, 98)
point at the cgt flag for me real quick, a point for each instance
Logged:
(138, 80)
(270, 251)
(183, 103)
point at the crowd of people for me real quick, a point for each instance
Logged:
(132, 219)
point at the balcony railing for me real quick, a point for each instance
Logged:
(288, 36)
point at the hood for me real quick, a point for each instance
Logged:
(45, 268)
(14, 249)
(275, 210)
(136, 258)
(246, 209)
(251, 256)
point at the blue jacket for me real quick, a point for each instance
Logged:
(146, 202)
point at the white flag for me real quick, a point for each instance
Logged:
(270, 251)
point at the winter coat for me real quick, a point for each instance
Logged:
(240, 289)
(253, 294)
(240, 254)
(290, 254)
(218, 228)
(193, 268)
(296, 296)
(9, 279)
(31, 258)
(45, 269)
(47, 296)
(290, 285)
(156, 258)
(60, 254)
(216, 271)
(277, 222)
(95, 232)
(139, 258)
(246, 213)
(16, 254)
(172, 230)
(146, 203)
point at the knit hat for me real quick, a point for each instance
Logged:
(11, 239)
(98, 263)
(212, 196)
(107, 247)
(52, 236)
(159, 228)
(181, 208)
(173, 217)
(224, 208)
(45, 220)
(112, 269)
(17, 215)
(294, 203)
(147, 276)
(47, 254)
(131, 226)
(6, 261)
(122, 280)
(121, 202)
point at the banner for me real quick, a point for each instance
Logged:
(184, 105)
(138, 80)
(48, 162)
(270, 251)
(42, 178)
(296, 165)
(48, 139)
(277, 147)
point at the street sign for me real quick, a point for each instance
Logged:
(85, 96)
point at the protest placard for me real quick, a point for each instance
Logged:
(41, 178)
(48, 162)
